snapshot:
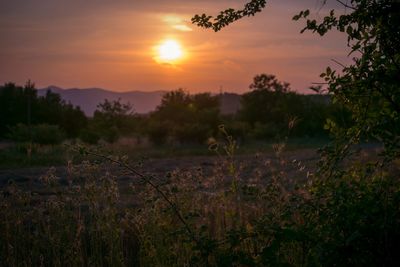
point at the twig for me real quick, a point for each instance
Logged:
(337, 62)
(346, 5)
(153, 185)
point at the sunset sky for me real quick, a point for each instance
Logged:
(115, 45)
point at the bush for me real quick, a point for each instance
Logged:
(90, 136)
(157, 132)
(184, 118)
(111, 134)
(20, 133)
(48, 134)
(240, 130)
(192, 133)
(43, 134)
(265, 131)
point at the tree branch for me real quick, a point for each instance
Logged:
(149, 182)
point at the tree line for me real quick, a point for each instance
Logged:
(269, 110)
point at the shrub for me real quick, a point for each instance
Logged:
(20, 133)
(90, 136)
(157, 132)
(48, 134)
(43, 134)
(265, 131)
(110, 134)
(192, 133)
(240, 130)
(190, 118)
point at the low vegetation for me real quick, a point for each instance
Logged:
(275, 212)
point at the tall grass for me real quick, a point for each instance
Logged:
(231, 215)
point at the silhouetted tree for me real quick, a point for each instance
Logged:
(22, 105)
(270, 83)
(54, 111)
(184, 117)
(271, 106)
(17, 105)
(113, 119)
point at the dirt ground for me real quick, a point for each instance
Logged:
(28, 177)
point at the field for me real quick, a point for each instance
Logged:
(180, 207)
(16, 165)
(26, 172)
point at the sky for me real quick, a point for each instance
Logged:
(114, 45)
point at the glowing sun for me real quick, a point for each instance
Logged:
(169, 51)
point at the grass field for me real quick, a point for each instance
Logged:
(15, 156)
(259, 204)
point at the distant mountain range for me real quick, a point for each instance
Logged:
(143, 102)
(88, 99)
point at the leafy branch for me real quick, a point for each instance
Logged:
(228, 16)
